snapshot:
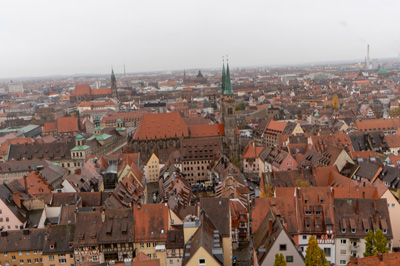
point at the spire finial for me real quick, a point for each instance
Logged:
(227, 59)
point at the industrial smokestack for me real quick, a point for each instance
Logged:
(367, 56)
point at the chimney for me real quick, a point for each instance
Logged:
(375, 204)
(25, 183)
(380, 256)
(270, 226)
(363, 194)
(103, 216)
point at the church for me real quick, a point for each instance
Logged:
(169, 130)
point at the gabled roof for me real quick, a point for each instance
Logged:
(22, 240)
(81, 90)
(161, 126)
(204, 238)
(67, 124)
(49, 127)
(214, 130)
(151, 222)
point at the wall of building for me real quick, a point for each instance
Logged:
(7, 218)
(29, 257)
(58, 259)
(290, 251)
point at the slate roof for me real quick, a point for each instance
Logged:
(218, 211)
(22, 240)
(60, 237)
(117, 227)
(51, 151)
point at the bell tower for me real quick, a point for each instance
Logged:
(231, 139)
(114, 93)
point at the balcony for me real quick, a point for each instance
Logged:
(354, 248)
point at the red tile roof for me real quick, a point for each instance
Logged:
(251, 151)
(276, 125)
(49, 127)
(67, 124)
(159, 126)
(389, 259)
(81, 90)
(199, 131)
(103, 91)
(151, 222)
(35, 184)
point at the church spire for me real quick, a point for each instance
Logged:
(114, 93)
(223, 76)
(228, 84)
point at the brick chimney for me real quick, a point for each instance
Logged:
(270, 226)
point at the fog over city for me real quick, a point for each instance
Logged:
(40, 38)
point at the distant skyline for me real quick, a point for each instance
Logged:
(44, 37)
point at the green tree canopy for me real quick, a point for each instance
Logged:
(280, 260)
(314, 255)
(375, 242)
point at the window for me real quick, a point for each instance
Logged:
(343, 230)
(353, 230)
(342, 252)
(327, 252)
(19, 252)
(62, 261)
(305, 237)
(5, 254)
(329, 227)
(202, 261)
(36, 261)
(343, 262)
(13, 257)
(154, 255)
(21, 262)
(6, 263)
(289, 258)
(282, 247)
(29, 261)
(148, 245)
(154, 244)
(94, 258)
(51, 257)
(343, 241)
(28, 253)
(35, 252)
(385, 231)
(393, 204)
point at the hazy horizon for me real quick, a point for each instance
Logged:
(47, 38)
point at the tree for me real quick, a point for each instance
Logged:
(280, 260)
(369, 244)
(335, 102)
(380, 241)
(375, 242)
(394, 112)
(314, 255)
(240, 106)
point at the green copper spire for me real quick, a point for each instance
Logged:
(223, 78)
(112, 76)
(228, 84)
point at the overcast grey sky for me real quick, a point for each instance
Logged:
(47, 37)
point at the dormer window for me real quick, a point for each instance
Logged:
(343, 230)
(353, 230)
(384, 231)
(321, 201)
(318, 213)
(305, 201)
(51, 246)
